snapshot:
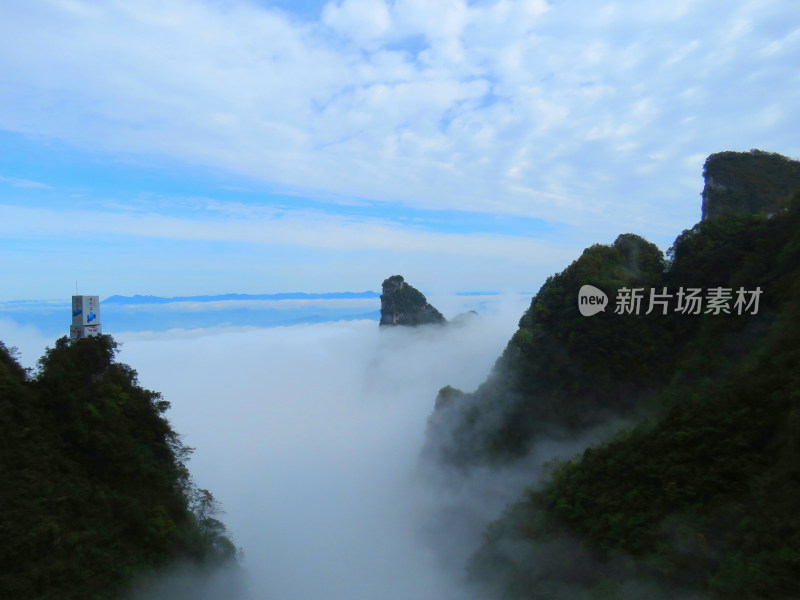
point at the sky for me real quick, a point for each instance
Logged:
(207, 147)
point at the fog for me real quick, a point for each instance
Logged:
(309, 436)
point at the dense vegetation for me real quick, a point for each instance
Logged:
(700, 496)
(403, 304)
(94, 489)
(748, 182)
(561, 372)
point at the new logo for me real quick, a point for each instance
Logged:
(591, 300)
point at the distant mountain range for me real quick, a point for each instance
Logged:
(139, 299)
(155, 313)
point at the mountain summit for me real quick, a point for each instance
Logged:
(402, 304)
(752, 182)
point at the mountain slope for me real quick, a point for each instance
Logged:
(560, 373)
(702, 499)
(699, 498)
(94, 489)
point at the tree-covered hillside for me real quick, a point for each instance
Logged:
(748, 182)
(560, 372)
(94, 490)
(699, 498)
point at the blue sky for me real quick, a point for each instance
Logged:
(199, 147)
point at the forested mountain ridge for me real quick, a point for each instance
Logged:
(94, 489)
(699, 498)
(560, 372)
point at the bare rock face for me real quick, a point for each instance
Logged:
(402, 304)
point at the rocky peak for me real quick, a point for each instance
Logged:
(748, 182)
(402, 304)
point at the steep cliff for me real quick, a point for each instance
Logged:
(748, 182)
(402, 304)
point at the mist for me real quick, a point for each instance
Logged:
(309, 436)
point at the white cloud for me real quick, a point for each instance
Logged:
(365, 304)
(179, 247)
(247, 89)
(578, 113)
(27, 339)
(789, 42)
(24, 183)
(295, 228)
(364, 21)
(310, 435)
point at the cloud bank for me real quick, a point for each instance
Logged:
(310, 435)
(563, 111)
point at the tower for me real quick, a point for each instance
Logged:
(85, 317)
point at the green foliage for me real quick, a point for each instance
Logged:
(748, 182)
(702, 497)
(406, 298)
(94, 488)
(562, 372)
(402, 304)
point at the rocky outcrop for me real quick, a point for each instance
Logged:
(402, 304)
(748, 182)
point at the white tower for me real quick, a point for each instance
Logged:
(85, 317)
